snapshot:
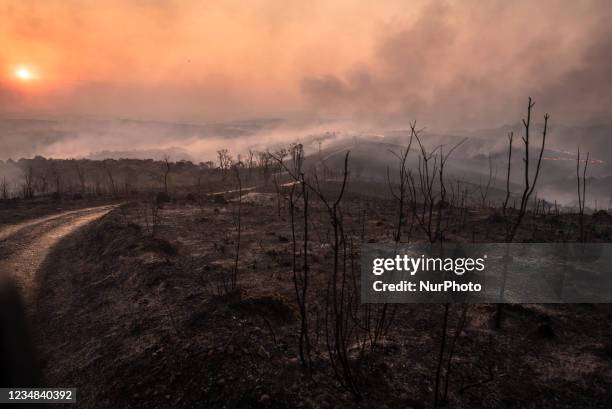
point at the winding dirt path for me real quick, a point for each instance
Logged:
(24, 246)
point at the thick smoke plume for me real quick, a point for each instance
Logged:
(472, 64)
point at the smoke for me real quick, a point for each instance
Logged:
(370, 66)
(449, 64)
(473, 64)
(99, 138)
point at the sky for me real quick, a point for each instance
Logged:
(451, 64)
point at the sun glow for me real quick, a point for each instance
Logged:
(24, 74)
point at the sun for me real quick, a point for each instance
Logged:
(24, 73)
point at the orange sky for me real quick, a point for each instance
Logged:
(384, 58)
(257, 49)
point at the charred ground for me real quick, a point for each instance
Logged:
(140, 315)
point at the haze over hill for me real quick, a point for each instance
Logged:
(323, 141)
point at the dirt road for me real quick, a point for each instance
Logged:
(24, 246)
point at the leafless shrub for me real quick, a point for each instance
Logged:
(225, 162)
(441, 355)
(238, 226)
(404, 179)
(279, 155)
(431, 218)
(167, 168)
(512, 226)
(250, 163)
(80, 175)
(337, 331)
(340, 295)
(430, 213)
(57, 177)
(581, 194)
(484, 190)
(300, 278)
(264, 163)
(111, 179)
(149, 212)
(4, 189)
(507, 198)
(451, 350)
(529, 184)
(28, 190)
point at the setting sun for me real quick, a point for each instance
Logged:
(24, 74)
